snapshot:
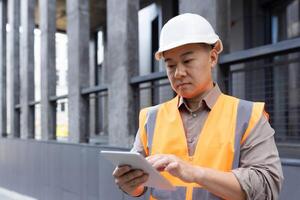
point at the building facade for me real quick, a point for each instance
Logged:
(75, 73)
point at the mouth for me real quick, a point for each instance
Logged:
(182, 85)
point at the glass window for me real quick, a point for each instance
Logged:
(61, 63)
(61, 86)
(100, 48)
(284, 20)
(37, 84)
(62, 130)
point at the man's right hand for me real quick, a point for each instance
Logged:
(130, 180)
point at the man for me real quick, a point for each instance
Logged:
(209, 145)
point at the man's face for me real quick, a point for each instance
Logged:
(189, 69)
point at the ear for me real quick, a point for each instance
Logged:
(213, 58)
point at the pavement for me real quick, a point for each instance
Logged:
(11, 195)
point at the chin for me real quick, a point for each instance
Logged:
(186, 95)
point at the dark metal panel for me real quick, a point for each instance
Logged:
(17, 166)
(92, 198)
(71, 168)
(22, 167)
(32, 173)
(83, 173)
(70, 196)
(54, 171)
(10, 158)
(92, 171)
(35, 177)
(53, 193)
(4, 163)
(107, 188)
(258, 52)
(291, 186)
(40, 180)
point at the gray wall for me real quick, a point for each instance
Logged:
(291, 186)
(55, 171)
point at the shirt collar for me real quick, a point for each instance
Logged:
(209, 99)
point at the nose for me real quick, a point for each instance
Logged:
(180, 71)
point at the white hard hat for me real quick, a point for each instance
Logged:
(186, 29)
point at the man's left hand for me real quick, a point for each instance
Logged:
(175, 166)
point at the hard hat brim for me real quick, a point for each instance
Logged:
(218, 46)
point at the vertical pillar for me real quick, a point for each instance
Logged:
(78, 30)
(3, 21)
(48, 69)
(27, 68)
(122, 64)
(218, 14)
(14, 66)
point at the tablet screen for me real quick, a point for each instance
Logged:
(137, 161)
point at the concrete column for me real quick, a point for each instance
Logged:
(14, 66)
(3, 112)
(218, 14)
(78, 30)
(48, 69)
(122, 64)
(27, 68)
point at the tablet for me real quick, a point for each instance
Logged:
(137, 161)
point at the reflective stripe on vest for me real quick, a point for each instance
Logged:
(244, 110)
(242, 121)
(150, 124)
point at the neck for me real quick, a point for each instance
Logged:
(193, 103)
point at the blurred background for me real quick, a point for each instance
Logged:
(75, 73)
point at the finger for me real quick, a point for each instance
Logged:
(171, 167)
(121, 170)
(134, 183)
(161, 163)
(153, 158)
(132, 174)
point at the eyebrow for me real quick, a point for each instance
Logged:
(187, 53)
(182, 55)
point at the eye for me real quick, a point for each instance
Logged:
(187, 61)
(171, 66)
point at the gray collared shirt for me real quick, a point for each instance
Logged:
(259, 173)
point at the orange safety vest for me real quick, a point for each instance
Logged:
(227, 126)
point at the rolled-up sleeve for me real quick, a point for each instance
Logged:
(260, 172)
(137, 145)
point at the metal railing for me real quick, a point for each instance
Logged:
(269, 73)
